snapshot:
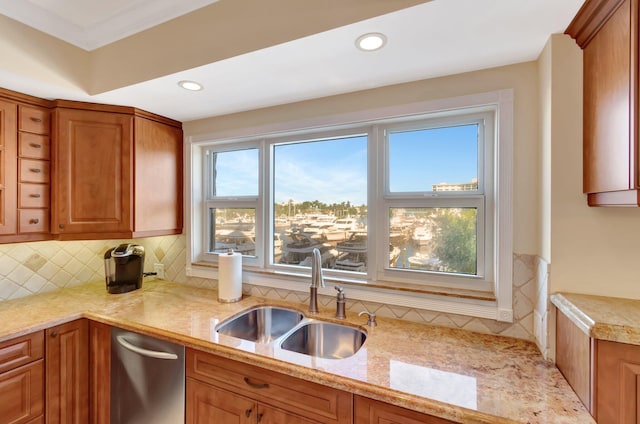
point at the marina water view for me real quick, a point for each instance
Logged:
(334, 172)
(419, 238)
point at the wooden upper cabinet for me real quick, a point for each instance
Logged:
(607, 31)
(91, 187)
(158, 178)
(8, 167)
(25, 125)
(115, 174)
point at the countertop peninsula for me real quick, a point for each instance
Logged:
(453, 374)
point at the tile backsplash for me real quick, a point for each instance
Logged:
(30, 268)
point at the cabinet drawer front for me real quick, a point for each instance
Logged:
(33, 195)
(21, 391)
(320, 403)
(34, 221)
(34, 171)
(35, 146)
(34, 119)
(21, 350)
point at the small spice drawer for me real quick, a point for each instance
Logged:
(34, 119)
(34, 171)
(33, 221)
(34, 146)
(33, 195)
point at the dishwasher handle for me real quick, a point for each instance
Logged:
(145, 352)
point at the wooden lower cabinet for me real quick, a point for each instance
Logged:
(270, 396)
(99, 373)
(22, 380)
(618, 383)
(369, 411)
(21, 394)
(67, 373)
(605, 375)
(574, 358)
(209, 404)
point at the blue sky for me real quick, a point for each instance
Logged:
(335, 171)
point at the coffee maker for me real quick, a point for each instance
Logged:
(124, 267)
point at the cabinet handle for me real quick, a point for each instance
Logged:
(35, 145)
(247, 413)
(34, 119)
(260, 417)
(54, 334)
(61, 226)
(36, 170)
(34, 195)
(34, 221)
(255, 385)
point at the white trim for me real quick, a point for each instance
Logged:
(504, 206)
(501, 309)
(475, 308)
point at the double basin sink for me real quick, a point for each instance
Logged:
(291, 330)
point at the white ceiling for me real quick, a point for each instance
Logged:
(437, 38)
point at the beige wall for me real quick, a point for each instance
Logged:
(33, 54)
(593, 250)
(521, 77)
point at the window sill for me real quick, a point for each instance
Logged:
(461, 302)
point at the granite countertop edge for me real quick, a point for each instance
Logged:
(601, 317)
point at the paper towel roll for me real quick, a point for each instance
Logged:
(229, 277)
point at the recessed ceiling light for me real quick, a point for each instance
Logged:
(371, 41)
(190, 85)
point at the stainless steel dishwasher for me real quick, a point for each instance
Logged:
(147, 380)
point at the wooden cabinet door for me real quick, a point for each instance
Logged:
(268, 415)
(617, 383)
(92, 173)
(99, 373)
(158, 178)
(8, 167)
(67, 373)
(21, 394)
(369, 411)
(206, 404)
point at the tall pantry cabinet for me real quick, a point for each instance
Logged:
(118, 173)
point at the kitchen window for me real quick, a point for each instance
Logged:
(396, 205)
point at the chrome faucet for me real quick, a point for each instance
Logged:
(340, 303)
(316, 279)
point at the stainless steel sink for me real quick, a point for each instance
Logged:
(325, 340)
(262, 324)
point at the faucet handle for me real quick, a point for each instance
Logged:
(340, 291)
(371, 321)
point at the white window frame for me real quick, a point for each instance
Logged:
(498, 307)
(478, 199)
(225, 202)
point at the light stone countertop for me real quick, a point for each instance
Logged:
(453, 374)
(600, 317)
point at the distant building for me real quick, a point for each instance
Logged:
(472, 186)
